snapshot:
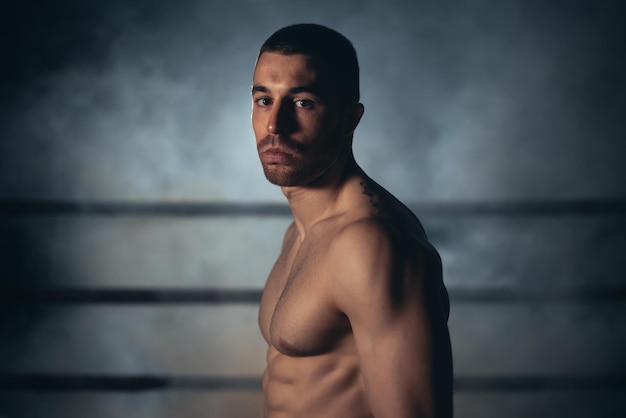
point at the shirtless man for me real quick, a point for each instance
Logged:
(354, 311)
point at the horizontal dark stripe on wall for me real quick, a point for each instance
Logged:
(106, 383)
(127, 296)
(104, 208)
(128, 383)
(541, 383)
(598, 294)
(202, 209)
(14, 295)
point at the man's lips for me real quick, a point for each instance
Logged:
(277, 155)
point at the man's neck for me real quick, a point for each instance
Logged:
(321, 200)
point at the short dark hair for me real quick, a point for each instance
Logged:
(323, 43)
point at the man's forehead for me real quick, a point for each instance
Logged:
(294, 70)
(276, 65)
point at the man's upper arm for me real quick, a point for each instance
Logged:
(402, 341)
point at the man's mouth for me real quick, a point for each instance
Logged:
(276, 156)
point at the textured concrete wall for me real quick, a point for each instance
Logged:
(142, 101)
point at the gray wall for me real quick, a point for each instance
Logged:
(148, 101)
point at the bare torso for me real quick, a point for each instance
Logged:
(311, 358)
(313, 367)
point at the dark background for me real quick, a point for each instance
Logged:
(135, 102)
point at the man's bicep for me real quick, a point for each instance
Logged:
(405, 362)
(396, 357)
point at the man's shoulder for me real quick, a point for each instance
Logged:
(364, 231)
(396, 237)
(374, 240)
(390, 213)
(389, 229)
(367, 259)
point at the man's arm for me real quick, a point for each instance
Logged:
(381, 283)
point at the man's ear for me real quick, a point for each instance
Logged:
(352, 118)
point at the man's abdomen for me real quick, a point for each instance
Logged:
(326, 385)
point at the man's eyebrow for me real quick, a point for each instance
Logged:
(259, 88)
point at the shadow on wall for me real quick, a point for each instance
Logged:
(25, 262)
(37, 39)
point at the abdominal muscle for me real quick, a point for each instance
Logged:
(326, 385)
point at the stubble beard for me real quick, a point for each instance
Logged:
(299, 174)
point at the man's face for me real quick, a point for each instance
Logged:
(297, 123)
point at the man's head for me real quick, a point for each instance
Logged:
(330, 50)
(305, 102)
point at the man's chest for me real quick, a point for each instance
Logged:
(298, 315)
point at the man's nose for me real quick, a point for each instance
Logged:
(281, 120)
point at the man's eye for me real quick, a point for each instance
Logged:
(263, 101)
(304, 103)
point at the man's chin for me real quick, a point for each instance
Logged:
(284, 179)
(281, 182)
